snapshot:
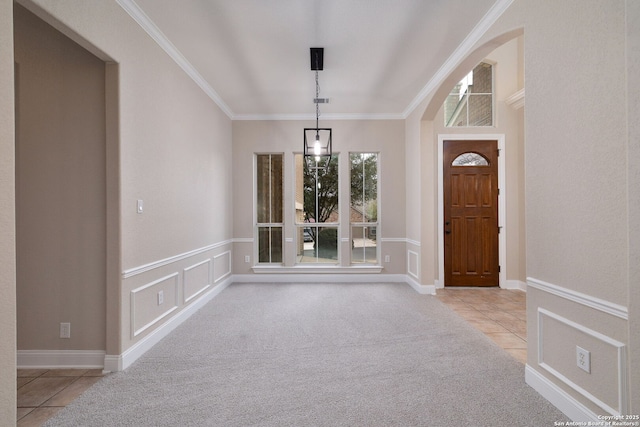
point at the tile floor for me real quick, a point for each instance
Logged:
(500, 314)
(43, 392)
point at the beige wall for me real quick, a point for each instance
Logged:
(7, 219)
(60, 189)
(633, 112)
(383, 136)
(169, 145)
(577, 194)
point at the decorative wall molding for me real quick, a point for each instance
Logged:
(393, 240)
(158, 36)
(516, 101)
(242, 240)
(113, 363)
(188, 296)
(57, 359)
(134, 309)
(303, 271)
(622, 361)
(580, 298)
(218, 261)
(156, 264)
(566, 403)
(460, 53)
(413, 242)
(413, 258)
(306, 117)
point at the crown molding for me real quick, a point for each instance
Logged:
(516, 101)
(131, 7)
(306, 117)
(460, 53)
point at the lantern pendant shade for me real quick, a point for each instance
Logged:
(317, 142)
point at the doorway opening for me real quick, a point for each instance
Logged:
(466, 230)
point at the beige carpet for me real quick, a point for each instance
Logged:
(317, 355)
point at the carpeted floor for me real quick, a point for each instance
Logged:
(317, 355)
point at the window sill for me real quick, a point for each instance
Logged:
(317, 269)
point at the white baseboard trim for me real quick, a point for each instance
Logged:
(573, 409)
(515, 284)
(60, 359)
(319, 278)
(421, 289)
(114, 363)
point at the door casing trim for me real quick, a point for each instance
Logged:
(502, 206)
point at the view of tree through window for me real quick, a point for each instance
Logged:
(317, 214)
(364, 207)
(470, 102)
(269, 207)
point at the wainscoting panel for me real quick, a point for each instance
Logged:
(221, 266)
(564, 322)
(554, 349)
(413, 264)
(197, 279)
(152, 302)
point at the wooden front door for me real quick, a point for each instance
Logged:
(471, 213)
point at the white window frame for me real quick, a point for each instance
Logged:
(257, 225)
(375, 224)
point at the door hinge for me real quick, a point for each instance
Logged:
(499, 229)
(498, 269)
(498, 150)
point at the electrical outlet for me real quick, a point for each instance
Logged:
(247, 258)
(160, 297)
(387, 258)
(140, 206)
(583, 359)
(65, 330)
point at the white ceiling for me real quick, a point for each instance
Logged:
(252, 56)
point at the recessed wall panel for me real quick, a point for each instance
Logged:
(148, 308)
(196, 279)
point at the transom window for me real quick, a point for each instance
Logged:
(470, 102)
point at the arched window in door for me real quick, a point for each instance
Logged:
(470, 159)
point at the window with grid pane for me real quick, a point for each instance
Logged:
(364, 208)
(470, 102)
(317, 209)
(269, 205)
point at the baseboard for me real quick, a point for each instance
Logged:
(113, 363)
(60, 359)
(421, 289)
(515, 284)
(319, 278)
(573, 409)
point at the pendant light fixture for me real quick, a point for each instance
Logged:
(317, 141)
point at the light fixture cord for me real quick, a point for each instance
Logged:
(317, 97)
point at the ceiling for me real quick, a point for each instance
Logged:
(252, 56)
